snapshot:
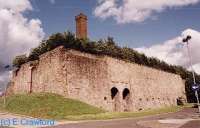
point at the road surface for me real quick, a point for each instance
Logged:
(186, 118)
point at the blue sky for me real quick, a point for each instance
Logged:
(59, 17)
(153, 27)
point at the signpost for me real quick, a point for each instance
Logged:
(196, 88)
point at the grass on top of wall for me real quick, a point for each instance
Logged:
(46, 105)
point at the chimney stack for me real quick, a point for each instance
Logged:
(81, 26)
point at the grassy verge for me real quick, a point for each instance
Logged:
(52, 106)
(116, 115)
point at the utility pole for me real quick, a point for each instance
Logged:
(195, 86)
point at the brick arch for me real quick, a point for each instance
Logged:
(126, 99)
(114, 92)
(115, 96)
(125, 93)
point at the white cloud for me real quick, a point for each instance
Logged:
(18, 33)
(175, 52)
(15, 5)
(127, 11)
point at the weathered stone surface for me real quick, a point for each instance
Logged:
(90, 78)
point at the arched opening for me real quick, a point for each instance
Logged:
(115, 96)
(126, 93)
(126, 99)
(114, 92)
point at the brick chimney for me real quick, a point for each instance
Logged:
(81, 26)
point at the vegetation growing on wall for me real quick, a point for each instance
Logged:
(106, 47)
(19, 60)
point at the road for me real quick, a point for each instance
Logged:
(186, 118)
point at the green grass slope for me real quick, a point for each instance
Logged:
(47, 106)
(52, 106)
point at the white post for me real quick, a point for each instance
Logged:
(193, 74)
(4, 97)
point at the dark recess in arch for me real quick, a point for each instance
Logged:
(126, 92)
(114, 92)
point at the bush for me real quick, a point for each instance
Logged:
(19, 60)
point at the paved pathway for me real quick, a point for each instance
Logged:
(192, 124)
(187, 118)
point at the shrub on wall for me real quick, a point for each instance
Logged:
(19, 60)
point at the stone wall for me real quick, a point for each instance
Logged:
(105, 82)
(149, 88)
(45, 75)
